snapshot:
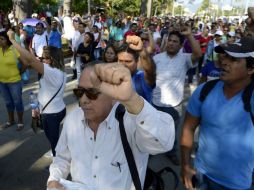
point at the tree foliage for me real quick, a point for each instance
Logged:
(204, 6)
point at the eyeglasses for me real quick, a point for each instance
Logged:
(91, 93)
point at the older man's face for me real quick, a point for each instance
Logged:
(94, 110)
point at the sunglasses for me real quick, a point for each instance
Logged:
(91, 93)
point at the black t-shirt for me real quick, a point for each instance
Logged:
(89, 50)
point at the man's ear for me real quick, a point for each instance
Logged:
(251, 70)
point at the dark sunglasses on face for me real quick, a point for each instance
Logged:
(91, 93)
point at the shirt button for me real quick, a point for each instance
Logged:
(156, 140)
(91, 138)
(96, 157)
(142, 122)
(109, 128)
(94, 176)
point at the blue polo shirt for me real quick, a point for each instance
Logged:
(141, 87)
(55, 39)
(226, 140)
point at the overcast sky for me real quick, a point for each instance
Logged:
(193, 7)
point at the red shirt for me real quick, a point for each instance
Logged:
(204, 40)
(129, 33)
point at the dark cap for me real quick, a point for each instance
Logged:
(242, 49)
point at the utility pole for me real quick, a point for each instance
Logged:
(143, 7)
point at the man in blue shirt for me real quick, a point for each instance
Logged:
(55, 38)
(225, 155)
(143, 81)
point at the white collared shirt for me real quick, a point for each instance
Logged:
(96, 163)
(170, 78)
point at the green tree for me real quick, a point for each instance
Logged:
(205, 6)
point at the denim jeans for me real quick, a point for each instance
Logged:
(175, 112)
(12, 94)
(51, 124)
(204, 183)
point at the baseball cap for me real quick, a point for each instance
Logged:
(242, 49)
(232, 34)
(219, 33)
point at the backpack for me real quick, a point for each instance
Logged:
(246, 96)
(153, 180)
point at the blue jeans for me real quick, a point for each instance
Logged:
(204, 183)
(51, 124)
(12, 94)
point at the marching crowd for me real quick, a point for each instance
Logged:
(141, 63)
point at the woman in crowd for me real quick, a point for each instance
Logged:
(10, 81)
(110, 55)
(52, 85)
(86, 49)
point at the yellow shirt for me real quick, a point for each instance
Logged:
(9, 71)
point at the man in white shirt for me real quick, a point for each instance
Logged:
(90, 145)
(171, 68)
(40, 39)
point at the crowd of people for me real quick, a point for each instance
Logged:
(141, 63)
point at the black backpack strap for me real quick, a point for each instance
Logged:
(47, 41)
(120, 111)
(246, 97)
(170, 170)
(208, 86)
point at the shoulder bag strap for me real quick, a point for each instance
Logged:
(53, 96)
(127, 149)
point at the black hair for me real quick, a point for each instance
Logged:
(179, 35)
(54, 54)
(4, 34)
(107, 47)
(133, 24)
(249, 62)
(125, 48)
(91, 36)
(39, 24)
(83, 24)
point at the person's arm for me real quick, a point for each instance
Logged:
(154, 129)
(30, 59)
(149, 67)
(250, 21)
(187, 138)
(60, 166)
(151, 47)
(202, 79)
(195, 46)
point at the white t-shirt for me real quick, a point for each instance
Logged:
(68, 28)
(49, 85)
(170, 78)
(39, 41)
(156, 35)
(96, 36)
(76, 39)
(98, 24)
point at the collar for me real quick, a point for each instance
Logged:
(109, 121)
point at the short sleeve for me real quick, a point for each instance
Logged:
(51, 75)
(194, 104)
